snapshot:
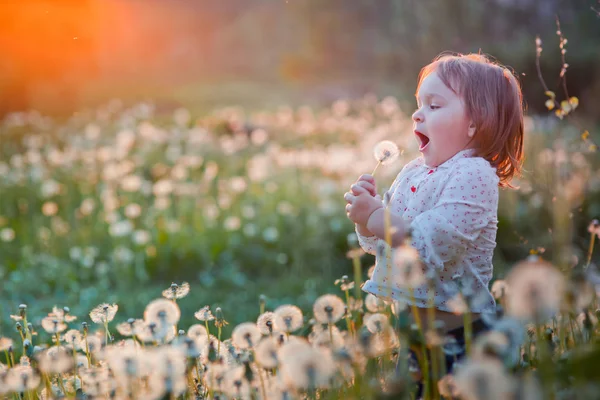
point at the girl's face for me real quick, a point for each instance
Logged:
(441, 125)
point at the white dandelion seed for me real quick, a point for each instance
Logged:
(306, 367)
(104, 313)
(266, 352)
(376, 323)
(162, 312)
(74, 338)
(22, 378)
(291, 316)
(177, 291)
(374, 304)
(536, 290)
(269, 322)
(197, 331)
(483, 379)
(204, 314)
(53, 325)
(246, 335)
(328, 309)
(385, 152)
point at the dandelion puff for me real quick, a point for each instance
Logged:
(269, 322)
(56, 360)
(376, 323)
(235, 383)
(385, 152)
(204, 314)
(104, 313)
(246, 335)
(129, 327)
(53, 325)
(162, 311)
(95, 344)
(176, 291)
(322, 337)
(266, 352)
(306, 367)
(536, 290)
(291, 316)
(197, 331)
(22, 378)
(74, 338)
(62, 314)
(483, 379)
(374, 304)
(5, 343)
(328, 309)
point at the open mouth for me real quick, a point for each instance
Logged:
(423, 140)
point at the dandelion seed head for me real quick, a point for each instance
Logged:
(53, 325)
(386, 152)
(322, 337)
(177, 291)
(162, 312)
(74, 338)
(266, 352)
(5, 343)
(204, 314)
(536, 290)
(376, 323)
(22, 378)
(197, 331)
(104, 313)
(483, 379)
(55, 360)
(269, 322)
(328, 308)
(291, 317)
(246, 335)
(374, 304)
(303, 366)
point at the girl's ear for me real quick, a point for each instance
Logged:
(471, 131)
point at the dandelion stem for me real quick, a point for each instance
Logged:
(468, 329)
(207, 330)
(349, 314)
(7, 359)
(219, 342)
(590, 250)
(357, 276)
(377, 166)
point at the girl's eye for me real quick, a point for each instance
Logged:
(433, 107)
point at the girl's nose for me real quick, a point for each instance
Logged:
(417, 116)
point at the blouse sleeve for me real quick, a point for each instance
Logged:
(467, 204)
(368, 243)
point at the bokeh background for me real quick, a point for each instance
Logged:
(150, 142)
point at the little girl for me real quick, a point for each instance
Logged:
(469, 127)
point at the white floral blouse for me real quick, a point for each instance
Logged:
(452, 213)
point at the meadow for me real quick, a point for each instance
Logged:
(148, 254)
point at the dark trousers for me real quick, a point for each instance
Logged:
(478, 327)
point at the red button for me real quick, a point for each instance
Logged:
(413, 189)
(430, 172)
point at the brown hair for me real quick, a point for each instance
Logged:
(493, 100)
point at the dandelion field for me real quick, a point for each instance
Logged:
(99, 214)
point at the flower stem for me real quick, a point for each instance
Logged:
(468, 329)
(590, 250)
(377, 166)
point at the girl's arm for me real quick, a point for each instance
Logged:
(376, 225)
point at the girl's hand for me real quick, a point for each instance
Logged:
(360, 207)
(368, 182)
